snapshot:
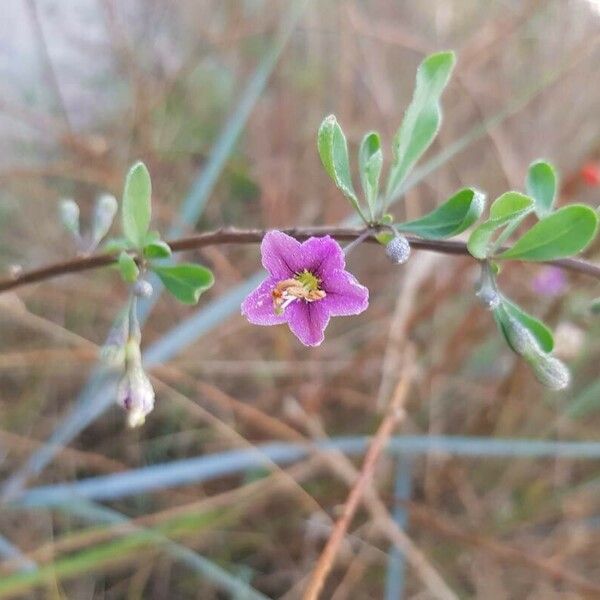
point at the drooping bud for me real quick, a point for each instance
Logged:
(104, 213)
(551, 372)
(113, 350)
(398, 249)
(68, 211)
(548, 370)
(142, 288)
(135, 392)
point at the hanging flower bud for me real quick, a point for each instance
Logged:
(113, 350)
(551, 372)
(142, 288)
(104, 212)
(135, 392)
(398, 249)
(69, 217)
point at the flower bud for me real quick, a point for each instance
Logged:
(104, 213)
(135, 392)
(398, 249)
(69, 216)
(142, 289)
(551, 372)
(113, 350)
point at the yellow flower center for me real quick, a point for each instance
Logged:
(309, 281)
(303, 286)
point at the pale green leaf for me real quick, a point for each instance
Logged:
(370, 163)
(451, 218)
(136, 204)
(422, 118)
(185, 281)
(561, 234)
(508, 209)
(128, 267)
(541, 185)
(333, 151)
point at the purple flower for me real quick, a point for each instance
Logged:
(549, 281)
(307, 284)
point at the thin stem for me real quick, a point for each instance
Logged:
(508, 231)
(254, 236)
(361, 238)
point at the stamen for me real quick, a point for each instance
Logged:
(304, 286)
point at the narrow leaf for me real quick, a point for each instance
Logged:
(136, 204)
(370, 159)
(541, 185)
(563, 233)
(451, 218)
(185, 281)
(508, 209)
(333, 151)
(129, 270)
(422, 118)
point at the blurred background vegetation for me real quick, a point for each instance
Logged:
(222, 100)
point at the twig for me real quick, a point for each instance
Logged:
(253, 236)
(344, 468)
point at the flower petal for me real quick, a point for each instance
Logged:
(345, 296)
(322, 255)
(258, 305)
(281, 254)
(308, 320)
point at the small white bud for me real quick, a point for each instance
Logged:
(143, 288)
(68, 211)
(551, 372)
(104, 213)
(489, 298)
(398, 250)
(135, 393)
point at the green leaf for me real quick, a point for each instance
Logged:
(563, 233)
(370, 159)
(114, 245)
(185, 281)
(422, 118)
(451, 218)
(128, 268)
(136, 204)
(508, 209)
(541, 185)
(157, 249)
(539, 330)
(151, 236)
(333, 151)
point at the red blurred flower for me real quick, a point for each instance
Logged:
(590, 173)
